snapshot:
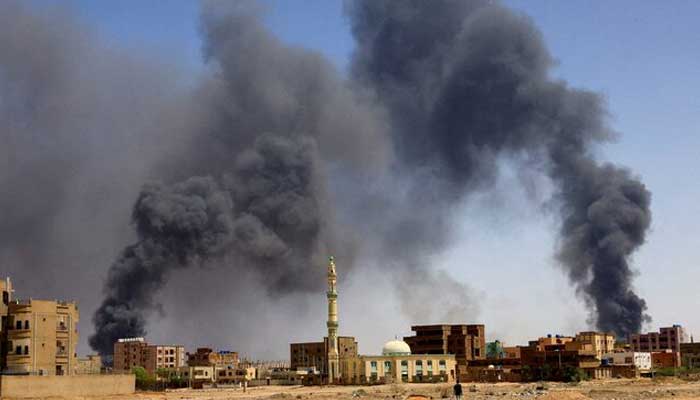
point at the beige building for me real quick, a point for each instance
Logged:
(397, 364)
(42, 337)
(6, 288)
(89, 365)
(599, 342)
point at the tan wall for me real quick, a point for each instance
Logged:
(65, 386)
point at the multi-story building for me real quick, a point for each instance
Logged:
(546, 342)
(640, 360)
(314, 355)
(466, 342)
(599, 342)
(6, 288)
(42, 337)
(129, 353)
(206, 356)
(669, 338)
(135, 352)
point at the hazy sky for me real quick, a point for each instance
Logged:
(644, 56)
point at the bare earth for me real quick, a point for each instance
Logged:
(618, 389)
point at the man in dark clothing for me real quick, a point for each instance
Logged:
(458, 391)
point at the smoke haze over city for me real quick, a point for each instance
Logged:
(158, 191)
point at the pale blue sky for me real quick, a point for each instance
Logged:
(644, 56)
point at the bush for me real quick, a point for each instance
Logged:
(143, 380)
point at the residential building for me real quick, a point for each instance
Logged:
(398, 364)
(511, 352)
(599, 342)
(42, 337)
(669, 338)
(466, 342)
(207, 356)
(314, 354)
(640, 360)
(6, 288)
(136, 352)
(551, 340)
(552, 363)
(129, 353)
(90, 364)
(690, 355)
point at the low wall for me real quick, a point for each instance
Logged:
(18, 387)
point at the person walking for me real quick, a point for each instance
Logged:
(458, 390)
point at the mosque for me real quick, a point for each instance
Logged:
(395, 364)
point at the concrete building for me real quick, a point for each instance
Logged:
(313, 355)
(640, 360)
(42, 337)
(89, 365)
(542, 343)
(6, 288)
(129, 353)
(669, 338)
(599, 342)
(207, 356)
(665, 359)
(135, 352)
(397, 364)
(466, 342)
(690, 355)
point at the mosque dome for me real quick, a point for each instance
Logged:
(396, 348)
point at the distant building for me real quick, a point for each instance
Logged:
(207, 356)
(466, 342)
(550, 340)
(690, 355)
(135, 352)
(6, 288)
(89, 365)
(397, 364)
(42, 337)
(640, 360)
(665, 359)
(599, 342)
(310, 355)
(669, 338)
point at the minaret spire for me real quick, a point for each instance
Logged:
(332, 294)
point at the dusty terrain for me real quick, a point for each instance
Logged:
(618, 389)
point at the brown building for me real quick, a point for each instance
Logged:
(666, 339)
(665, 359)
(135, 352)
(205, 356)
(550, 340)
(314, 355)
(466, 342)
(690, 355)
(42, 337)
(599, 342)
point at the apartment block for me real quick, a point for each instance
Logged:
(136, 352)
(42, 337)
(466, 342)
(669, 338)
(599, 342)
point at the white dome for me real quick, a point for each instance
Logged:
(396, 347)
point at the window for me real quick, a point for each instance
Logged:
(387, 367)
(5, 297)
(26, 350)
(477, 352)
(18, 325)
(373, 367)
(442, 366)
(419, 368)
(26, 324)
(430, 367)
(404, 371)
(18, 350)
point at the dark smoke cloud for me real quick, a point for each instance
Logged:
(467, 83)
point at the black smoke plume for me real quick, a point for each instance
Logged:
(467, 84)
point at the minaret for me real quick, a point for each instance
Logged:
(333, 362)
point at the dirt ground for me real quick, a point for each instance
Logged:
(617, 389)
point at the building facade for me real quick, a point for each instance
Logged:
(136, 352)
(466, 342)
(640, 360)
(690, 355)
(42, 337)
(600, 342)
(398, 364)
(89, 365)
(313, 355)
(669, 338)
(6, 288)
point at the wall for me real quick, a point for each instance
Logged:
(65, 386)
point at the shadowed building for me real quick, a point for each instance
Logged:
(466, 342)
(135, 352)
(42, 337)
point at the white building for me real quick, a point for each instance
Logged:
(641, 360)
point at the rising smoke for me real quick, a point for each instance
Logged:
(273, 159)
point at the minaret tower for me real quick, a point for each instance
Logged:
(333, 362)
